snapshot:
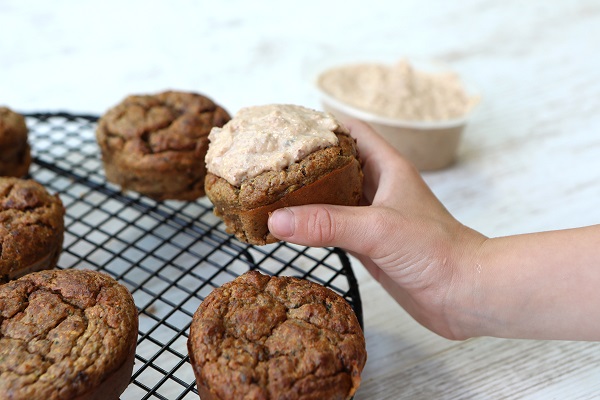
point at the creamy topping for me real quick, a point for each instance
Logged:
(268, 138)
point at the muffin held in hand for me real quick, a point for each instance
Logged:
(273, 156)
(66, 334)
(156, 144)
(15, 154)
(31, 228)
(262, 337)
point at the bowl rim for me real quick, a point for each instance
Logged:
(368, 116)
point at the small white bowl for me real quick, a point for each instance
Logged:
(429, 145)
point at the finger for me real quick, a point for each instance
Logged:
(387, 173)
(372, 145)
(367, 153)
(383, 166)
(358, 229)
(370, 142)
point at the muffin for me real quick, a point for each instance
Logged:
(66, 334)
(279, 155)
(156, 144)
(31, 228)
(262, 337)
(15, 154)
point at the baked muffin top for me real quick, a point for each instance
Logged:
(31, 223)
(62, 332)
(262, 337)
(167, 122)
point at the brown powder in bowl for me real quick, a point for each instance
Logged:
(399, 91)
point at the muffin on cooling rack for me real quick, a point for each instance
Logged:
(273, 156)
(262, 337)
(31, 227)
(15, 154)
(66, 334)
(156, 144)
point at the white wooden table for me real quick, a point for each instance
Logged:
(529, 161)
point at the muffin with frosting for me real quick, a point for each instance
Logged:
(274, 156)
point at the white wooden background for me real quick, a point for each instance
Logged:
(529, 161)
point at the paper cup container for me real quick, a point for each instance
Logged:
(428, 145)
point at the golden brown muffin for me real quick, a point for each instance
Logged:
(31, 228)
(156, 144)
(329, 174)
(262, 337)
(15, 154)
(66, 334)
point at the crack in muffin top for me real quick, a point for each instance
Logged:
(262, 337)
(62, 333)
(167, 121)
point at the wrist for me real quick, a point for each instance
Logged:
(536, 286)
(465, 306)
(442, 300)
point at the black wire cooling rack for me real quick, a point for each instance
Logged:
(170, 254)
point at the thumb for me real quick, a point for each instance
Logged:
(356, 229)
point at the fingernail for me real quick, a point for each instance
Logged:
(281, 222)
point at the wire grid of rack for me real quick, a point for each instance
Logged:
(170, 254)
